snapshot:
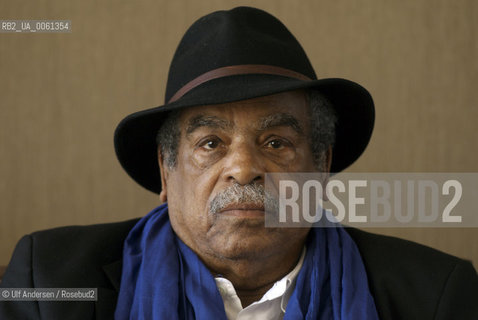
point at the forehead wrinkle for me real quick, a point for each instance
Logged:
(207, 121)
(280, 120)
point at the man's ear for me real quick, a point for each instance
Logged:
(327, 166)
(328, 159)
(163, 195)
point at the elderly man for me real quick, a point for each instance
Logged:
(242, 100)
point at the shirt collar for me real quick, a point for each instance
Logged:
(290, 280)
(282, 288)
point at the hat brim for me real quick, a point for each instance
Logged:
(135, 135)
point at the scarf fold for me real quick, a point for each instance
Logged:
(162, 278)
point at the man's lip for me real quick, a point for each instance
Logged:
(243, 207)
(244, 211)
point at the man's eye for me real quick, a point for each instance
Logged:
(275, 144)
(211, 144)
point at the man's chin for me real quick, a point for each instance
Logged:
(240, 253)
(244, 243)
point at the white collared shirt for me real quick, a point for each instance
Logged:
(271, 306)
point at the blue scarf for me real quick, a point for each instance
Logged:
(163, 279)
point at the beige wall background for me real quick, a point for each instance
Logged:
(61, 96)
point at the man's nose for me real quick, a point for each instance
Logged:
(244, 164)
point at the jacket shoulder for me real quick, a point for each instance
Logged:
(66, 257)
(85, 239)
(71, 256)
(416, 281)
(383, 249)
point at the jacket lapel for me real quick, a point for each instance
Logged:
(113, 273)
(107, 297)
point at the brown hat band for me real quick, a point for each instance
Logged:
(234, 71)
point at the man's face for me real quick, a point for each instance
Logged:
(235, 144)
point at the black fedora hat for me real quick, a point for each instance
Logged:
(234, 55)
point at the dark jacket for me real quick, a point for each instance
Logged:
(408, 280)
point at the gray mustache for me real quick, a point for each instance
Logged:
(248, 194)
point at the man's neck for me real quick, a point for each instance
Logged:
(253, 277)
